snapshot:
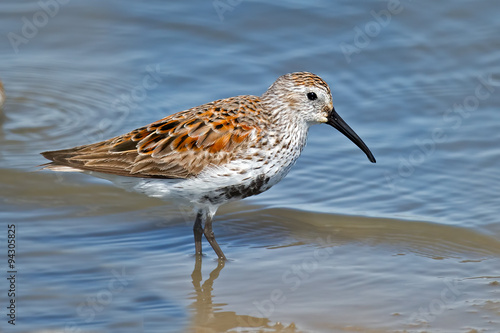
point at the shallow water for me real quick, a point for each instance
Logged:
(410, 244)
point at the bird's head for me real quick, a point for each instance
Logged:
(309, 97)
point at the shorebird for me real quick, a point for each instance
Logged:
(218, 152)
(2, 94)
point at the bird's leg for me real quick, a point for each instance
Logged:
(209, 234)
(198, 232)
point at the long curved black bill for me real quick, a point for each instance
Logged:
(339, 123)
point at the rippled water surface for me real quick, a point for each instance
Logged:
(410, 244)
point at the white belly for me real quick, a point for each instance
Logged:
(216, 185)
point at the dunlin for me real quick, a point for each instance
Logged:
(214, 153)
(2, 94)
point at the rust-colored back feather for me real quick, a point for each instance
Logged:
(178, 146)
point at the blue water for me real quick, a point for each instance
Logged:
(407, 244)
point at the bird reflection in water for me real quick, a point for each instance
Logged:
(207, 316)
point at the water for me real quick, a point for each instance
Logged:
(410, 244)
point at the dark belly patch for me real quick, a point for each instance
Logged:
(256, 186)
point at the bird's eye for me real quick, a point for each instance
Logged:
(312, 96)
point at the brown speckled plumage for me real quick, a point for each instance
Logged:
(177, 146)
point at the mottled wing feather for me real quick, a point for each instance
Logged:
(177, 146)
